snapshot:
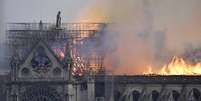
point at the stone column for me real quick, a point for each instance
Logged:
(91, 89)
(71, 92)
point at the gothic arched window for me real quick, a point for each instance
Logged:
(117, 95)
(123, 98)
(196, 93)
(175, 95)
(57, 71)
(155, 95)
(136, 95)
(25, 71)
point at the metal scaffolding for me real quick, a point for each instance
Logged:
(21, 37)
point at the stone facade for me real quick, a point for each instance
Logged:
(153, 88)
(42, 77)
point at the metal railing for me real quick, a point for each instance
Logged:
(48, 26)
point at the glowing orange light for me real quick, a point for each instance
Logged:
(93, 15)
(177, 66)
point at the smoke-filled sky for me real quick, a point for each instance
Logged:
(142, 31)
(146, 32)
(35, 10)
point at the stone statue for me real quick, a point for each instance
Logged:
(58, 22)
(41, 25)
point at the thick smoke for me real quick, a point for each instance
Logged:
(145, 32)
(2, 37)
(2, 22)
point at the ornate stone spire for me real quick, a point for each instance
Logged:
(67, 61)
(15, 59)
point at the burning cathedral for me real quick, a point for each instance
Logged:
(63, 62)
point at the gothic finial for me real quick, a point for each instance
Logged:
(15, 59)
(67, 61)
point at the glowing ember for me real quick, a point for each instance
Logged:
(59, 53)
(79, 67)
(177, 67)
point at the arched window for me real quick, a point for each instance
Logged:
(196, 93)
(25, 71)
(136, 95)
(155, 95)
(123, 98)
(117, 95)
(175, 95)
(57, 71)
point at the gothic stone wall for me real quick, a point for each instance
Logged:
(153, 88)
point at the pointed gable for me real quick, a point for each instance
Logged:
(41, 62)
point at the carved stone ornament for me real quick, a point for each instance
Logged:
(40, 61)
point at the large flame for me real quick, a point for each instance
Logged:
(177, 66)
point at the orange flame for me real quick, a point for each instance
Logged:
(177, 66)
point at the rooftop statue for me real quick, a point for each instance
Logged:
(58, 22)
